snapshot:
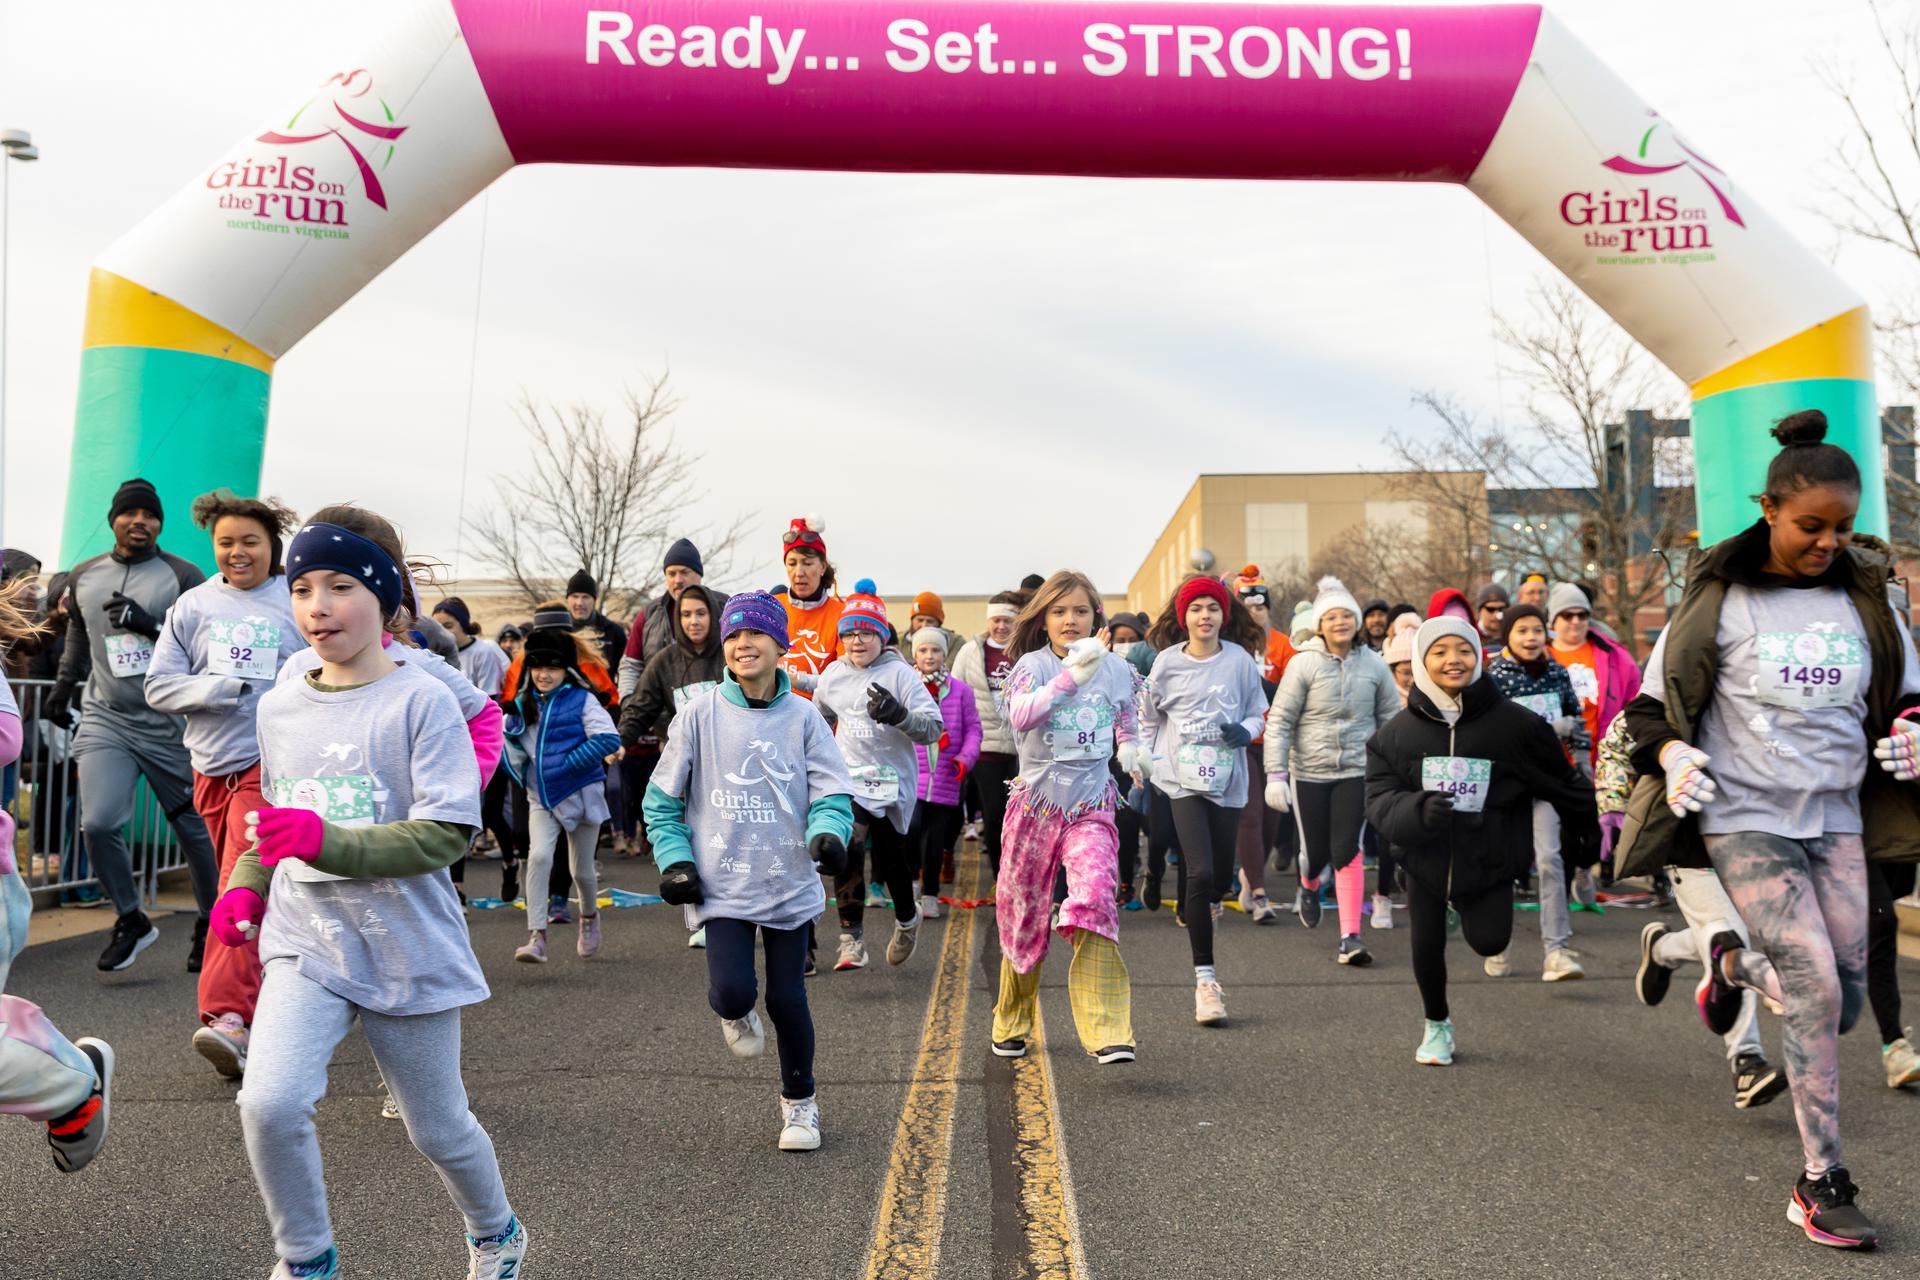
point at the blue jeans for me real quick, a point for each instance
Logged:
(731, 991)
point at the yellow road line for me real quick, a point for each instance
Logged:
(906, 1235)
(1050, 1218)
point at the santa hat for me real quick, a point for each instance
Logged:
(806, 533)
(1331, 593)
(864, 610)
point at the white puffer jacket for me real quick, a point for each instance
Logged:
(1326, 709)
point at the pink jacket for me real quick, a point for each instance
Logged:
(940, 783)
(1619, 678)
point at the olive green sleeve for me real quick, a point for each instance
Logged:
(410, 848)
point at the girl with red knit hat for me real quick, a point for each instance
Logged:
(1070, 703)
(813, 611)
(1203, 705)
(880, 710)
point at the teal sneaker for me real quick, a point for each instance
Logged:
(324, 1267)
(1437, 1049)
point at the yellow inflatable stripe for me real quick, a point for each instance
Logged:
(121, 313)
(1838, 348)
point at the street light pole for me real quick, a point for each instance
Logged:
(17, 144)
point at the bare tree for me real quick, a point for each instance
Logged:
(609, 499)
(1601, 515)
(1393, 561)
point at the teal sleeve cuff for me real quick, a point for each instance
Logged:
(831, 815)
(666, 819)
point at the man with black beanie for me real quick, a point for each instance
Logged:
(583, 602)
(119, 601)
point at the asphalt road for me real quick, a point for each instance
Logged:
(1578, 1134)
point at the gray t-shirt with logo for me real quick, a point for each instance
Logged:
(881, 760)
(383, 752)
(1185, 703)
(219, 651)
(748, 776)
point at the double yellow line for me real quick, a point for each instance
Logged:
(906, 1232)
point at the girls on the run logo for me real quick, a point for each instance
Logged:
(345, 120)
(1639, 222)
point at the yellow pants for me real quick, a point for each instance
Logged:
(1098, 990)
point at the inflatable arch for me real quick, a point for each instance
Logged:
(188, 312)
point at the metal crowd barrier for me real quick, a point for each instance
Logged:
(42, 792)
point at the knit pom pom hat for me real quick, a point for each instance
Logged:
(1331, 593)
(805, 533)
(864, 610)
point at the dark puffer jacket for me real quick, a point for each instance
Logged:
(679, 666)
(1466, 854)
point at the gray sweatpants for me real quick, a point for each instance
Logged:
(1550, 875)
(1709, 910)
(110, 765)
(544, 834)
(295, 1029)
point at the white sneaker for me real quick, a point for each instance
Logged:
(697, 940)
(389, 1108)
(1901, 1062)
(799, 1124)
(905, 936)
(1209, 1004)
(223, 1042)
(853, 954)
(1584, 891)
(1246, 897)
(1561, 967)
(1382, 911)
(500, 1258)
(1498, 966)
(745, 1036)
(929, 908)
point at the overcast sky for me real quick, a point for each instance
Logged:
(901, 349)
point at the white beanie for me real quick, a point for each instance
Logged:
(930, 635)
(1300, 629)
(1332, 594)
(1563, 597)
(1430, 631)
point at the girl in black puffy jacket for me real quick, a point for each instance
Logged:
(1451, 783)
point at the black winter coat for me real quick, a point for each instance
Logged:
(1467, 854)
(651, 706)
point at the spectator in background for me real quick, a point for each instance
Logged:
(480, 660)
(583, 603)
(1489, 613)
(509, 640)
(1533, 591)
(655, 631)
(929, 610)
(983, 666)
(1373, 623)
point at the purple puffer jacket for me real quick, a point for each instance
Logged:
(940, 783)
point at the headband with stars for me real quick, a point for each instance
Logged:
(328, 546)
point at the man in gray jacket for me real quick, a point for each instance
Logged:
(119, 600)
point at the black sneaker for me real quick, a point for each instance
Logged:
(1651, 980)
(1010, 1048)
(132, 934)
(1823, 1207)
(1756, 1082)
(812, 969)
(198, 951)
(1353, 951)
(1156, 887)
(1719, 1001)
(1124, 896)
(1306, 903)
(76, 1137)
(1111, 1054)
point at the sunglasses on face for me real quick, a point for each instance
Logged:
(1574, 615)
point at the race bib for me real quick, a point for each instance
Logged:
(1081, 731)
(1203, 768)
(688, 692)
(345, 802)
(1544, 705)
(1465, 778)
(877, 783)
(244, 650)
(128, 654)
(1805, 669)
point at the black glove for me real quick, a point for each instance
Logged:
(57, 707)
(884, 707)
(829, 853)
(1436, 808)
(1235, 734)
(680, 885)
(127, 615)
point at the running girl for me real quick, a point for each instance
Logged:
(1069, 702)
(1202, 705)
(220, 647)
(1451, 783)
(558, 741)
(376, 793)
(1781, 650)
(943, 766)
(879, 709)
(746, 748)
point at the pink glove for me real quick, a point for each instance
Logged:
(236, 916)
(286, 833)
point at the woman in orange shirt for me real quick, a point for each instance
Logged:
(813, 611)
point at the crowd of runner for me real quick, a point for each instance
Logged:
(334, 755)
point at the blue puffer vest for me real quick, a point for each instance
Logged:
(561, 729)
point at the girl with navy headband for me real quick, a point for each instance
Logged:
(374, 791)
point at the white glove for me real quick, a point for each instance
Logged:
(1279, 796)
(1565, 726)
(1127, 756)
(1899, 751)
(1689, 789)
(1084, 658)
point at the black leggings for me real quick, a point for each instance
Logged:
(1330, 815)
(1209, 839)
(895, 861)
(935, 830)
(1486, 922)
(1887, 883)
(1381, 850)
(731, 991)
(991, 775)
(1129, 824)
(1162, 839)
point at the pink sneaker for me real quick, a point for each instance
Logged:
(223, 1042)
(535, 952)
(588, 944)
